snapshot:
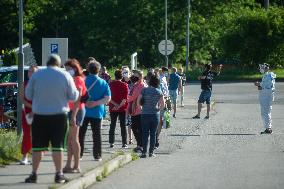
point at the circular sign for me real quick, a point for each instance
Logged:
(162, 47)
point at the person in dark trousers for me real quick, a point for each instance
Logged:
(118, 107)
(134, 109)
(50, 89)
(206, 86)
(99, 95)
(152, 101)
(126, 74)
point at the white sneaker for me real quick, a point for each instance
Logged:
(24, 162)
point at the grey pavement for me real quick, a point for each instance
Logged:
(13, 176)
(226, 151)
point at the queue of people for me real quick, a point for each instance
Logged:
(61, 103)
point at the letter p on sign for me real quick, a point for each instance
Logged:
(54, 48)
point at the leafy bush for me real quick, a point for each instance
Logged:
(9, 147)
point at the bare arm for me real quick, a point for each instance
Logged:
(180, 85)
(22, 96)
(201, 77)
(76, 109)
(104, 100)
(139, 100)
(162, 103)
(114, 103)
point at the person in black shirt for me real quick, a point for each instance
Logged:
(206, 86)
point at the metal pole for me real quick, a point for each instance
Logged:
(166, 32)
(187, 36)
(266, 4)
(20, 69)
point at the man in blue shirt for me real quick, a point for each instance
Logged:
(99, 95)
(175, 85)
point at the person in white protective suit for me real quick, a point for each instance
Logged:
(266, 96)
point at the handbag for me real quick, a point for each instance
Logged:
(86, 96)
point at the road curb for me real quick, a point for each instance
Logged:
(98, 173)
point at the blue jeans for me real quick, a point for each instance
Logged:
(149, 124)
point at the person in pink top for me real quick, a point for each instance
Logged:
(76, 116)
(134, 109)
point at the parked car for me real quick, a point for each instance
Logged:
(8, 95)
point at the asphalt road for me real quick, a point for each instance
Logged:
(226, 151)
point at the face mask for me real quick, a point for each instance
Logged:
(125, 74)
(71, 72)
(134, 79)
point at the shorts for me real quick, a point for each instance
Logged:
(79, 117)
(173, 95)
(205, 96)
(49, 129)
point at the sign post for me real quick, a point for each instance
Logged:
(20, 69)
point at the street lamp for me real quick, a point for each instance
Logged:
(20, 69)
(187, 35)
(266, 4)
(166, 33)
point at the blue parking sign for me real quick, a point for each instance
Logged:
(54, 48)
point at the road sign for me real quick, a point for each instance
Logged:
(162, 47)
(54, 48)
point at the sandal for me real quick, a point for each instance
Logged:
(78, 170)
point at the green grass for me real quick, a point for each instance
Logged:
(9, 147)
(236, 74)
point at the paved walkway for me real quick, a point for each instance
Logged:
(13, 176)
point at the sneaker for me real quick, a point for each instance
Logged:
(111, 145)
(124, 146)
(60, 178)
(143, 155)
(196, 117)
(98, 158)
(32, 178)
(174, 115)
(267, 131)
(24, 162)
(137, 149)
(152, 155)
(157, 146)
(206, 117)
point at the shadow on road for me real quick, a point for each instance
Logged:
(182, 135)
(232, 134)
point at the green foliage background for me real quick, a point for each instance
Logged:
(239, 31)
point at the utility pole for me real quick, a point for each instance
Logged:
(266, 4)
(166, 33)
(187, 36)
(20, 69)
